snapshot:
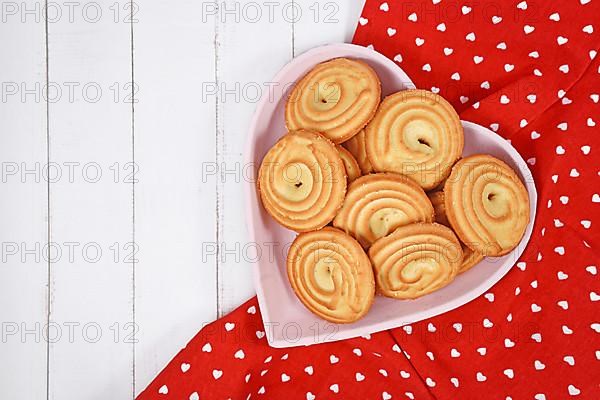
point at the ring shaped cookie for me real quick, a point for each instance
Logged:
(415, 260)
(377, 204)
(331, 275)
(470, 257)
(350, 163)
(415, 133)
(356, 146)
(486, 204)
(302, 181)
(336, 98)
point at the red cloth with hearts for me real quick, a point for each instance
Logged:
(529, 71)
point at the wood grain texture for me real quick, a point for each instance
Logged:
(91, 130)
(325, 22)
(23, 207)
(175, 198)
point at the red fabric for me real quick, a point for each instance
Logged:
(536, 334)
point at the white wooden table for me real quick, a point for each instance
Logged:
(121, 210)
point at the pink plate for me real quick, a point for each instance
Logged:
(287, 322)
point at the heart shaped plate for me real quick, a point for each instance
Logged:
(287, 322)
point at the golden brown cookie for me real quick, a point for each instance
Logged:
(302, 181)
(356, 146)
(415, 133)
(470, 257)
(437, 201)
(337, 98)
(415, 260)
(486, 204)
(331, 275)
(376, 204)
(352, 167)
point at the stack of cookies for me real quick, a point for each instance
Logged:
(379, 193)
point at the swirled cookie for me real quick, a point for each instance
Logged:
(351, 165)
(331, 275)
(337, 98)
(470, 257)
(415, 133)
(415, 260)
(356, 146)
(376, 204)
(302, 181)
(486, 204)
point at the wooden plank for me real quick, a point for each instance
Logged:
(91, 209)
(175, 199)
(323, 22)
(23, 204)
(254, 42)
